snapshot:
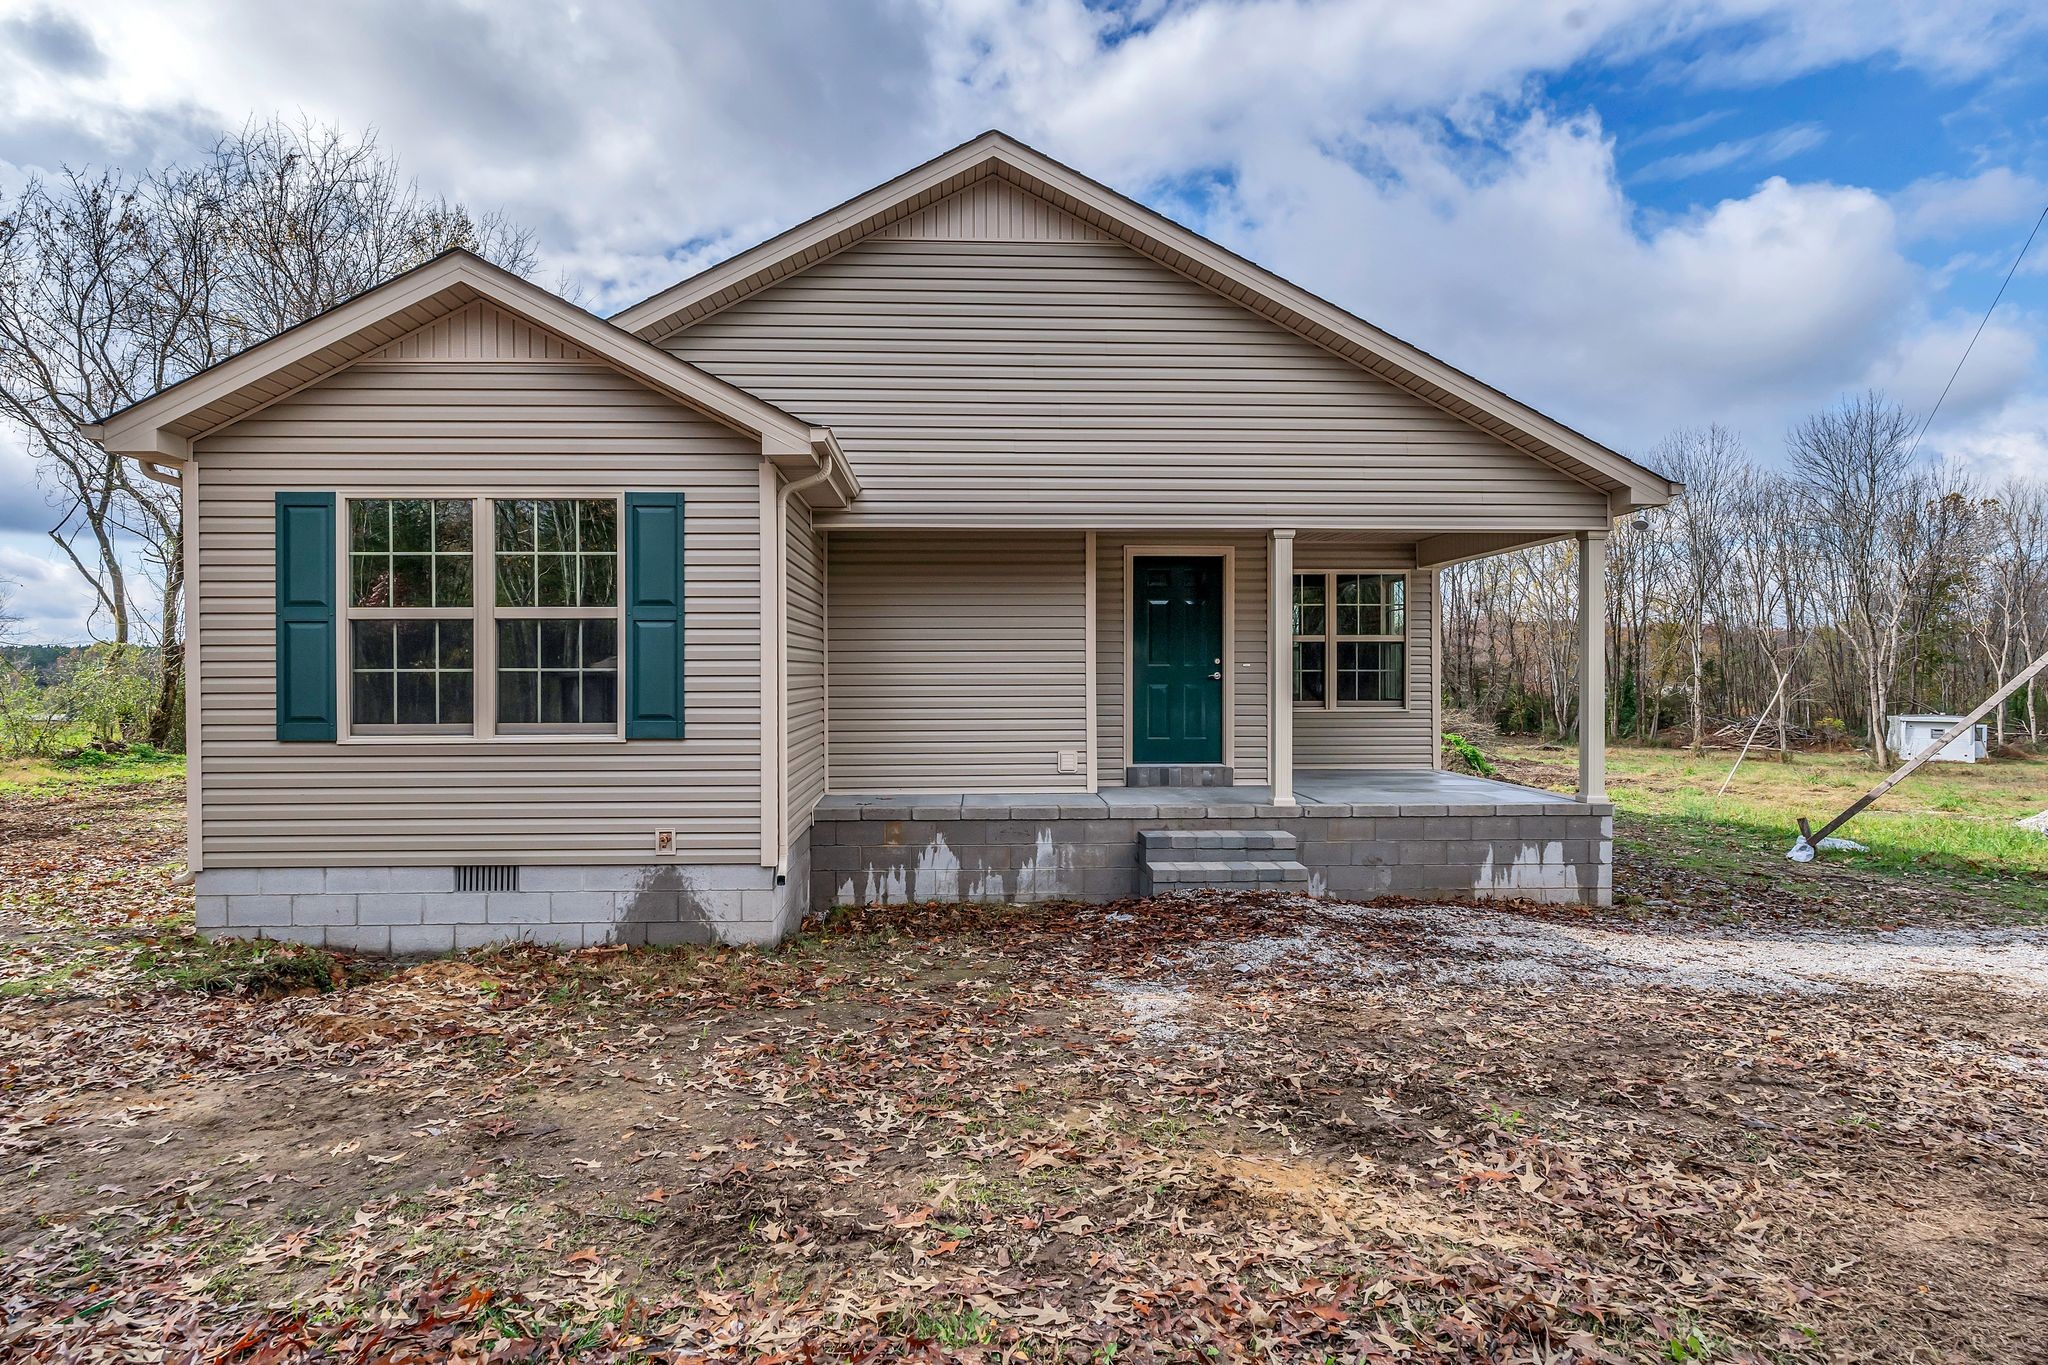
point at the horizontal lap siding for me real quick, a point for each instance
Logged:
(462, 430)
(807, 773)
(1074, 383)
(1250, 657)
(958, 662)
(1375, 736)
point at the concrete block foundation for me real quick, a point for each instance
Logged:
(417, 909)
(893, 851)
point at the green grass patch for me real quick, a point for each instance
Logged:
(230, 966)
(138, 763)
(1953, 824)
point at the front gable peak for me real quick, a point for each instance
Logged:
(994, 179)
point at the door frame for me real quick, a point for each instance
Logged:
(1226, 553)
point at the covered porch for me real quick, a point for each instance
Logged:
(1355, 833)
(1009, 715)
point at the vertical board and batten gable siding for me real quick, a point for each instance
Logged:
(806, 656)
(1022, 380)
(461, 430)
(990, 211)
(958, 662)
(1250, 661)
(480, 331)
(1375, 736)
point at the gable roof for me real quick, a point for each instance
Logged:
(162, 427)
(1627, 483)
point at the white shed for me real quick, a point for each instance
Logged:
(1906, 736)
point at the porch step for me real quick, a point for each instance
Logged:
(1224, 859)
(1164, 839)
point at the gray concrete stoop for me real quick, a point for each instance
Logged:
(1220, 859)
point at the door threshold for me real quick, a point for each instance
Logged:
(1179, 775)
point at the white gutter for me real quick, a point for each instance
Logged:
(821, 450)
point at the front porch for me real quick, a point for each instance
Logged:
(1360, 833)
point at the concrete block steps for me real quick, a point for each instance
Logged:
(1220, 859)
(1216, 839)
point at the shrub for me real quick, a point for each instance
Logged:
(1522, 713)
(108, 689)
(1463, 753)
(31, 716)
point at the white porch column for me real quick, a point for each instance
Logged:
(1592, 665)
(1280, 688)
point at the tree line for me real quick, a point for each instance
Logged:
(1855, 583)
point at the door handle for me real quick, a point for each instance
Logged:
(1215, 677)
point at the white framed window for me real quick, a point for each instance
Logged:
(555, 576)
(482, 616)
(1350, 639)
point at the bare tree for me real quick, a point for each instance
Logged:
(1859, 489)
(1856, 583)
(1708, 461)
(114, 286)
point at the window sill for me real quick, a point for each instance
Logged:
(565, 737)
(1317, 708)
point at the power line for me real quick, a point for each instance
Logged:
(1978, 333)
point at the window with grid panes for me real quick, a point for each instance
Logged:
(1350, 638)
(514, 631)
(411, 610)
(556, 597)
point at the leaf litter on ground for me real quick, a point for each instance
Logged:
(1214, 1126)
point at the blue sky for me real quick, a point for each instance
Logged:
(1634, 214)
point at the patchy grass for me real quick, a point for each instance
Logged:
(236, 967)
(1948, 830)
(137, 764)
(1211, 1129)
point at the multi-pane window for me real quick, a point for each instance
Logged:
(557, 576)
(513, 631)
(1311, 638)
(411, 614)
(1350, 638)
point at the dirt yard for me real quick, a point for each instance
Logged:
(1201, 1130)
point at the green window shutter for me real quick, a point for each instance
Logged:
(654, 616)
(305, 616)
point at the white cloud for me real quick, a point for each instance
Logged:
(1765, 149)
(2009, 442)
(1400, 159)
(1745, 312)
(1943, 206)
(1918, 367)
(49, 602)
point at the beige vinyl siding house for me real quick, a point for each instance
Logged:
(970, 377)
(968, 541)
(809, 755)
(453, 426)
(958, 662)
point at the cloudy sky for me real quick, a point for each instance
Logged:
(1634, 214)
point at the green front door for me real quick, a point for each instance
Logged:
(1177, 660)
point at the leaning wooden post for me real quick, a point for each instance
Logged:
(1811, 838)
(1761, 717)
(1593, 665)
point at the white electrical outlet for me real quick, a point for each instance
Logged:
(1070, 760)
(664, 841)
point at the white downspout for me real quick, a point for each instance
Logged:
(781, 668)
